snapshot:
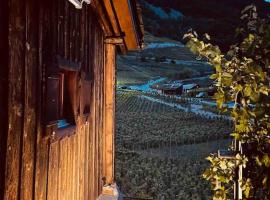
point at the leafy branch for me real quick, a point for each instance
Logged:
(242, 76)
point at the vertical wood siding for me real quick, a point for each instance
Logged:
(36, 168)
(3, 90)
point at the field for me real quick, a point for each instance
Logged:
(173, 62)
(160, 151)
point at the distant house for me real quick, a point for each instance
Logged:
(171, 89)
(201, 95)
(177, 82)
(212, 90)
(191, 86)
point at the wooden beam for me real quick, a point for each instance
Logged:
(125, 13)
(103, 17)
(113, 18)
(109, 113)
(114, 40)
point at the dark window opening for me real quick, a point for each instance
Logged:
(59, 109)
(68, 94)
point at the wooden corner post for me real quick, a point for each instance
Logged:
(109, 114)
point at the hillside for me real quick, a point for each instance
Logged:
(219, 18)
(162, 57)
(166, 22)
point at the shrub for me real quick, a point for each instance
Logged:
(242, 76)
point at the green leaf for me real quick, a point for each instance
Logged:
(214, 76)
(264, 90)
(264, 182)
(254, 96)
(236, 136)
(266, 160)
(223, 165)
(248, 91)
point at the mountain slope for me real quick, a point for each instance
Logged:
(219, 18)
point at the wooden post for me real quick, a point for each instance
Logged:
(238, 193)
(109, 113)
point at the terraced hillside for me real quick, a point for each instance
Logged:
(161, 57)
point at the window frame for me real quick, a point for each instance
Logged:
(55, 132)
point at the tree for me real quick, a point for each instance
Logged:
(242, 76)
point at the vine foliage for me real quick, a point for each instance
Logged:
(242, 76)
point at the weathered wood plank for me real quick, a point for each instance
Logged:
(66, 157)
(4, 10)
(77, 164)
(96, 101)
(42, 143)
(72, 167)
(29, 131)
(66, 29)
(71, 32)
(53, 172)
(15, 98)
(101, 143)
(90, 156)
(93, 118)
(61, 32)
(63, 169)
(77, 35)
(60, 172)
(84, 38)
(54, 16)
(81, 156)
(86, 161)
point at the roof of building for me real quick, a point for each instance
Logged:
(170, 86)
(189, 86)
(122, 22)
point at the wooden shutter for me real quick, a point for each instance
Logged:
(54, 94)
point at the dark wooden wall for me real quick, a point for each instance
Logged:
(36, 167)
(3, 90)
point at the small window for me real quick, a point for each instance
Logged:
(59, 107)
(54, 100)
(61, 99)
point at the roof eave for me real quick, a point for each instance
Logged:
(128, 16)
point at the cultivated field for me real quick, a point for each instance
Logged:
(160, 151)
(173, 62)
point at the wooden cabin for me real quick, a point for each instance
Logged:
(171, 89)
(57, 79)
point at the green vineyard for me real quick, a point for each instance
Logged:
(160, 151)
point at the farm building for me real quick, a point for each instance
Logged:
(57, 95)
(191, 86)
(171, 89)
